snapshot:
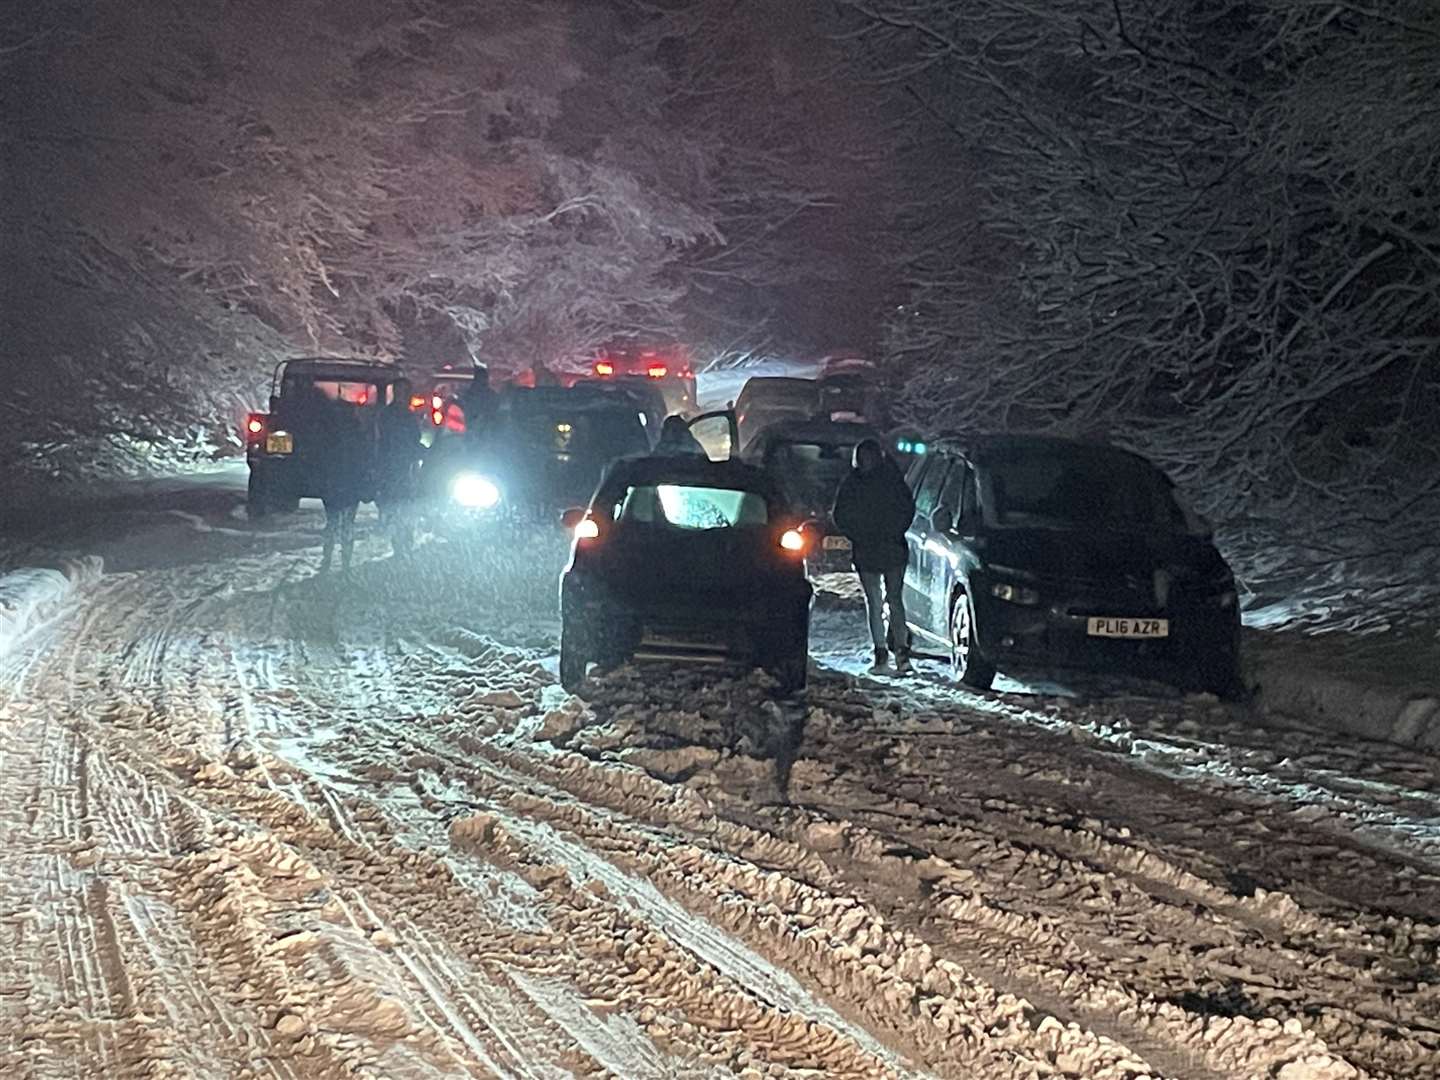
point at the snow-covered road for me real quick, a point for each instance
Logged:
(259, 823)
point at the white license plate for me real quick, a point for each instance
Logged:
(1104, 626)
(836, 543)
(279, 442)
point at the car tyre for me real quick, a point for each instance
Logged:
(573, 660)
(1222, 679)
(257, 499)
(972, 669)
(792, 672)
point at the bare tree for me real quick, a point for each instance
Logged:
(1201, 229)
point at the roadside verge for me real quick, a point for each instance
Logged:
(1380, 686)
(34, 594)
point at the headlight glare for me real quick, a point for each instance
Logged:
(475, 492)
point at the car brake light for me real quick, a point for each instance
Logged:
(437, 417)
(255, 424)
(604, 368)
(792, 540)
(436, 401)
(656, 371)
(587, 529)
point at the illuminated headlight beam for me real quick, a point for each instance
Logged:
(474, 492)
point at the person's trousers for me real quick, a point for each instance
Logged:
(339, 524)
(885, 589)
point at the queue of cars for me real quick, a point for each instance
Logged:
(1027, 554)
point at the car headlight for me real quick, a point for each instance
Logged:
(1015, 594)
(474, 492)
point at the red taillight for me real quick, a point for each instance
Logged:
(604, 368)
(657, 371)
(254, 427)
(437, 417)
(417, 402)
(587, 528)
(793, 541)
(436, 402)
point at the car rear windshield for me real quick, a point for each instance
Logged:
(693, 507)
(809, 472)
(1079, 490)
(356, 393)
(783, 394)
(613, 432)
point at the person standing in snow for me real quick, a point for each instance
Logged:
(874, 507)
(477, 401)
(346, 459)
(676, 439)
(398, 452)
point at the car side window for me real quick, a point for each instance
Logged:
(930, 485)
(957, 494)
(914, 470)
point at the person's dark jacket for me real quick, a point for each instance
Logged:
(677, 440)
(345, 451)
(398, 451)
(874, 509)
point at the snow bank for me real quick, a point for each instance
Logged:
(31, 595)
(1386, 690)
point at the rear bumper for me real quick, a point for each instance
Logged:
(283, 475)
(759, 629)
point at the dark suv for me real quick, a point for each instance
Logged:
(1035, 553)
(541, 449)
(809, 459)
(282, 446)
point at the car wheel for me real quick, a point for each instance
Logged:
(257, 501)
(971, 668)
(792, 672)
(1222, 678)
(573, 661)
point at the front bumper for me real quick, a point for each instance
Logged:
(1203, 639)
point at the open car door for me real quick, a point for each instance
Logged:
(718, 432)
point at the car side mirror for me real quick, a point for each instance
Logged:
(572, 517)
(941, 520)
